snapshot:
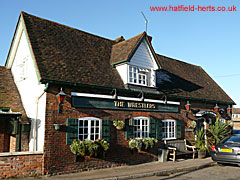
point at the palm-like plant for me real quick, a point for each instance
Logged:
(218, 131)
(200, 140)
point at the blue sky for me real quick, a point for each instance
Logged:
(209, 39)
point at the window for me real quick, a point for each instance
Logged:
(141, 127)
(89, 128)
(137, 76)
(169, 129)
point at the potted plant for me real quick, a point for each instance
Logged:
(89, 148)
(78, 148)
(142, 143)
(191, 124)
(200, 143)
(118, 124)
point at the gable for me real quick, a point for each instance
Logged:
(143, 57)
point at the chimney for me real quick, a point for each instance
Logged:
(119, 39)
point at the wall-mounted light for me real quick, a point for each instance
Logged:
(57, 127)
(229, 109)
(188, 106)
(216, 108)
(60, 97)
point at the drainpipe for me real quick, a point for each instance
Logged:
(35, 120)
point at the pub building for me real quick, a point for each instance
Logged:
(73, 85)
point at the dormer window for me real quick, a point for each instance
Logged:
(137, 75)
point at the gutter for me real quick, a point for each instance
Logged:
(36, 117)
(45, 81)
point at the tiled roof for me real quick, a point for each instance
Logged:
(123, 50)
(66, 54)
(208, 88)
(9, 95)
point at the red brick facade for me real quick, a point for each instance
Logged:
(20, 165)
(119, 153)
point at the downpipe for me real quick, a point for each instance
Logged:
(36, 117)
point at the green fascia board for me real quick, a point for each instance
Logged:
(20, 21)
(153, 53)
(45, 81)
(13, 41)
(119, 62)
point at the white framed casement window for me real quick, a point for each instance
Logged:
(169, 129)
(89, 128)
(141, 127)
(136, 76)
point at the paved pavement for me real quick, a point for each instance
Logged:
(135, 171)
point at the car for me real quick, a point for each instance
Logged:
(227, 151)
(236, 131)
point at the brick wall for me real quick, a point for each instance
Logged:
(119, 153)
(20, 165)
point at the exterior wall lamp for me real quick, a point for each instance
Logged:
(188, 106)
(60, 97)
(216, 108)
(229, 109)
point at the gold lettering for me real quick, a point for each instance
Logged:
(119, 103)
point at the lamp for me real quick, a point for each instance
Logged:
(216, 108)
(187, 106)
(60, 97)
(229, 109)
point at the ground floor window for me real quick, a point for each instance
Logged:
(89, 128)
(169, 129)
(141, 127)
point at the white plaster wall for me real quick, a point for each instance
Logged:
(123, 71)
(25, 77)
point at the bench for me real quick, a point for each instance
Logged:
(179, 147)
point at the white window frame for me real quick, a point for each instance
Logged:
(89, 133)
(141, 130)
(168, 121)
(144, 76)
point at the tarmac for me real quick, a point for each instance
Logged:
(134, 171)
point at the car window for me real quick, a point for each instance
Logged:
(231, 139)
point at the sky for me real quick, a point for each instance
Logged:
(202, 37)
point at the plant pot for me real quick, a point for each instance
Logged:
(119, 128)
(201, 153)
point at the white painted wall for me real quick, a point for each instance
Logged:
(142, 58)
(23, 69)
(123, 71)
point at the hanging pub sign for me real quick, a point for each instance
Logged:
(101, 103)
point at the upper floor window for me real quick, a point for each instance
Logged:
(89, 128)
(141, 127)
(137, 76)
(169, 129)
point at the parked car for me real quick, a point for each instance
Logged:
(236, 131)
(227, 151)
